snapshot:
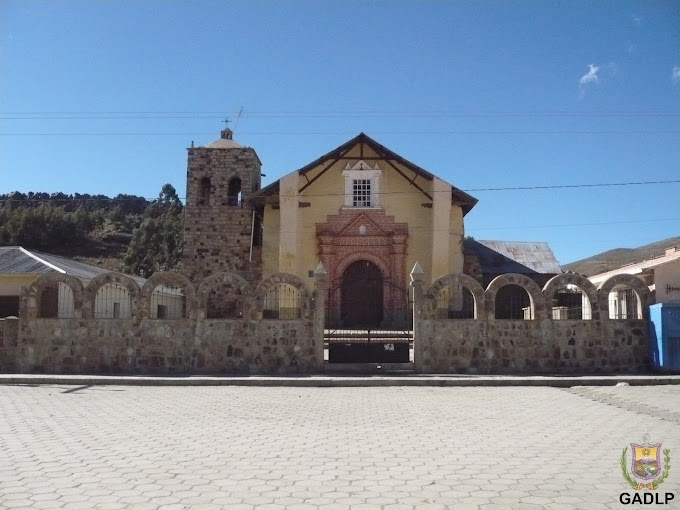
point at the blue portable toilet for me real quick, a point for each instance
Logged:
(664, 336)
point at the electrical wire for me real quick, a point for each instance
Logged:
(45, 115)
(391, 133)
(309, 195)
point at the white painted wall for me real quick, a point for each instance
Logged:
(665, 276)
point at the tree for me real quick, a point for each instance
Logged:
(157, 244)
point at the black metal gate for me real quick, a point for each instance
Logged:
(350, 339)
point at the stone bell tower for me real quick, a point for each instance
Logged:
(220, 226)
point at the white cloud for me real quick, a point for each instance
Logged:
(637, 19)
(590, 76)
(675, 75)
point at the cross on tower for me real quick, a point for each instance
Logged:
(226, 122)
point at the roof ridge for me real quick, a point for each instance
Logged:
(504, 241)
(42, 261)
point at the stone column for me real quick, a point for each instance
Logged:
(320, 289)
(417, 277)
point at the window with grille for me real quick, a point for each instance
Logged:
(456, 302)
(282, 301)
(113, 301)
(361, 193)
(168, 302)
(570, 302)
(513, 302)
(362, 184)
(56, 301)
(624, 303)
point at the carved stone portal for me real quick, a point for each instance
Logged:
(371, 235)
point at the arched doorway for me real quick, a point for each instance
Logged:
(362, 295)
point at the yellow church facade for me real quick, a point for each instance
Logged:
(364, 212)
(367, 214)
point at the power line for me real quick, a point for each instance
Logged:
(391, 133)
(42, 115)
(307, 195)
(563, 186)
(469, 229)
(577, 224)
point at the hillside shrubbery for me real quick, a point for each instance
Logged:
(146, 234)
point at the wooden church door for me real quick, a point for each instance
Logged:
(362, 295)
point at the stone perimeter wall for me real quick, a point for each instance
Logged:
(541, 346)
(192, 345)
(253, 345)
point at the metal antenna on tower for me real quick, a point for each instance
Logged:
(240, 112)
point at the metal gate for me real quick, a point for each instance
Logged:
(390, 340)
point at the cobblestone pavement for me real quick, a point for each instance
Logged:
(108, 447)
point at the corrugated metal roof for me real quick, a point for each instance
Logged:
(14, 259)
(513, 256)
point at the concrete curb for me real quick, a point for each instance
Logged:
(341, 381)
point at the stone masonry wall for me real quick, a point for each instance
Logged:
(532, 347)
(217, 232)
(73, 346)
(541, 346)
(191, 345)
(9, 333)
(251, 344)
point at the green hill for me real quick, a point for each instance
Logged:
(125, 233)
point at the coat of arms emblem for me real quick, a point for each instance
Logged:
(646, 465)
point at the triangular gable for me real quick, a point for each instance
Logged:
(362, 165)
(384, 154)
(371, 228)
(348, 224)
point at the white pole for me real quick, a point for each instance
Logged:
(252, 236)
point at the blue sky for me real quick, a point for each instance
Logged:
(105, 97)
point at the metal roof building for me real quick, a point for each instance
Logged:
(18, 260)
(514, 256)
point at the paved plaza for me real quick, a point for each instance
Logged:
(392, 448)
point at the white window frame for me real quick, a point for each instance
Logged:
(361, 170)
(362, 193)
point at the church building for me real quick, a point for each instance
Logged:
(363, 211)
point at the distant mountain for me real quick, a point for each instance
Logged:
(618, 257)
